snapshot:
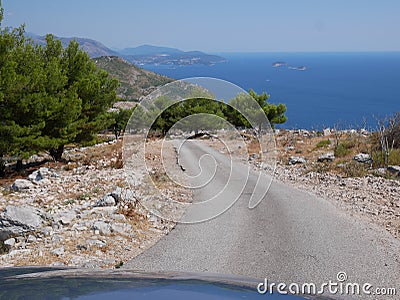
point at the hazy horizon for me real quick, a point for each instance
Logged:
(209, 26)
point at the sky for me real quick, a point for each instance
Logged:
(217, 25)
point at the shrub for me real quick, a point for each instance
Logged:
(341, 150)
(323, 143)
(355, 169)
(394, 157)
(392, 131)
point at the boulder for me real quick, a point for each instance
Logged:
(58, 251)
(65, 217)
(327, 131)
(107, 200)
(326, 157)
(395, 170)
(293, 160)
(117, 194)
(10, 242)
(102, 227)
(21, 184)
(19, 220)
(41, 174)
(363, 158)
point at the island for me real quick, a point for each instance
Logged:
(300, 68)
(279, 64)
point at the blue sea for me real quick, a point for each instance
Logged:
(343, 89)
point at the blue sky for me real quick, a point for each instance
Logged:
(218, 25)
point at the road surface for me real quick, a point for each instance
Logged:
(291, 237)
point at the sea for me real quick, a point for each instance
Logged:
(341, 90)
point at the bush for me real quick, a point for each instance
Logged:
(355, 169)
(323, 143)
(392, 131)
(394, 157)
(341, 150)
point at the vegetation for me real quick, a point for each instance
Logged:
(49, 95)
(134, 82)
(52, 95)
(235, 113)
(323, 143)
(119, 121)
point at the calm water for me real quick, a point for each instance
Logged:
(336, 88)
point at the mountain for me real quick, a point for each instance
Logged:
(135, 82)
(149, 50)
(154, 55)
(94, 48)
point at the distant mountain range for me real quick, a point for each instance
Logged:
(142, 55)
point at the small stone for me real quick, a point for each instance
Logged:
(326, 157)
(395, 170)
(47, 230)
(65, 218)
(31, 239)
(327, 131)
(81, 247)
(21, 185)
(10, 242)
(380, 171)
(107, 200)
(363, 158)
(102, 227)
(56, 238)
(96, 243)
(58, 251)
(118, 217)
(293, 160)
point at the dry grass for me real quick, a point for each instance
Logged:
(311, 147)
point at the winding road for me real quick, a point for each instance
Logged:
(291, 237)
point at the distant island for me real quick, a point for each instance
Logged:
(301, 68)
(279, 64)
(153, 55)
(142, 55)
(284, 64)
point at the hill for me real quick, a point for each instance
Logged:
(135, 82)
(154, 55)
(94, 48)
(142, 55)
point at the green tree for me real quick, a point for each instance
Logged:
(244, 106)
(275, 113)
(120, 119)
(49, 96)
(21, 93)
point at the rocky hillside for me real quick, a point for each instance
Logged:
(135, 82)
(92, 47)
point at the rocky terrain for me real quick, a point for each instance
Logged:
(77, 213)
